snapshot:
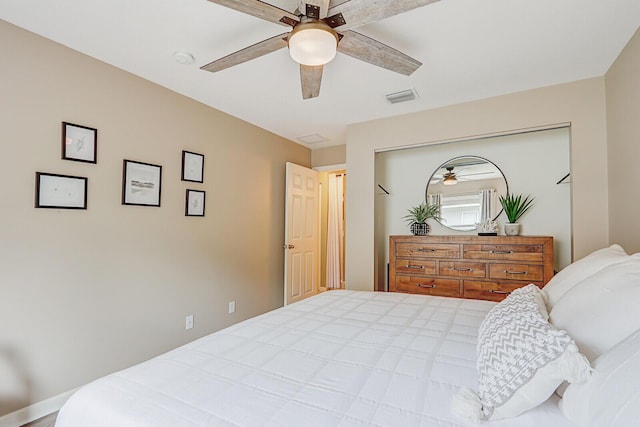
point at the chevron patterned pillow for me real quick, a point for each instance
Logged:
(522, 359)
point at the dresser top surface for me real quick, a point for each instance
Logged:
(472, 239)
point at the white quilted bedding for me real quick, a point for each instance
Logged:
(341, 358)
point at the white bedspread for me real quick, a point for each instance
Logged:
(341, 358)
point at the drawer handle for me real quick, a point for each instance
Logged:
(498, 292)
(501, 252)
(514, 272)
(415, 266)
(460, 269)
(426, 250)
(421, 285)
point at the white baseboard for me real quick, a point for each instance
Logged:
(35, 411)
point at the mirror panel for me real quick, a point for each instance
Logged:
(467, 190)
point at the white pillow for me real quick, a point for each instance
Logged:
(574, 273)
(602, 310)
(521, 360)
(611, 396)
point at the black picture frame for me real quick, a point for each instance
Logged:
(55, 191)
(141, 183)
(192, 166)
(194, 203)
(79, 143)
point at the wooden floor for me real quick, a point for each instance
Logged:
(47, 421)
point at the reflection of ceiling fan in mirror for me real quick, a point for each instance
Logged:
(451, 177)
(320, 28)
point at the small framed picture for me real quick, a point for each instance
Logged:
(141, 183)
(192, 166)
(60, 191)
(195, 203)
(79, 143)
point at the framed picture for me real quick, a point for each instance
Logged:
(192, 166)
(141, 183)
(60, 191)
(195, 203)
(79, 143)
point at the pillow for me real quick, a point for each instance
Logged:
(521, 360)
(611, 396)
(574, 273)
(602, 311)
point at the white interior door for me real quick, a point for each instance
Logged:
(301, 234)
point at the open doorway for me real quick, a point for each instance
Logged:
(333, 184)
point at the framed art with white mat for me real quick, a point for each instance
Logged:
(141, 183)
(192, 166)
(194, 205)
(79, 143)
(60, 191)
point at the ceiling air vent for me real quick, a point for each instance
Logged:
(405, 95)
(312, 139)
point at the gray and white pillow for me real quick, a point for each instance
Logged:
(522, 359)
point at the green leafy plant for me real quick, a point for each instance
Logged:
(421, 213)
(515, 206)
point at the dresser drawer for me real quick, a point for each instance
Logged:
(523, 253)
(428, 286)
(462, 269)
(427, 250)
(415, 266)
(512, 271)
(492, 291)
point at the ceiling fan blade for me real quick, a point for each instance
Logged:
(372, 51)
(262, 10)
(248, 53)
(477, 174)
(316, 9)
(310, 79)
(361, 12)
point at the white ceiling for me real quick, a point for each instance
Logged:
(471, 49)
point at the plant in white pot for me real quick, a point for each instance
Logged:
(418, 216)
(514, 207)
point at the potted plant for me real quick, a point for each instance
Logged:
(514, 207)
(418, 216)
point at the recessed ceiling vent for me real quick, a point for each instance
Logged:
(402, 96)
(312, 139)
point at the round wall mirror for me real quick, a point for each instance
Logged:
(466, 188)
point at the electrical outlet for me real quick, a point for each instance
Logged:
(189, 322)
(232, 307)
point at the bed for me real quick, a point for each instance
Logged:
(341, 358)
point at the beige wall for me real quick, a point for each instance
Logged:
(582, 104)
(329, 156)
(623, 106)
(84, 293)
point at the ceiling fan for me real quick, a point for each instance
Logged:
(451, 177)
(320, 28)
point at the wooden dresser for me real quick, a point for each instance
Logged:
(480, 267)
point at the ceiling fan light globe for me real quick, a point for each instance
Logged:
(449, 180)
(313, 45)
